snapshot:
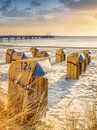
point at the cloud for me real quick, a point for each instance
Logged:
(40, 10)
(5, 5)
(9, 10)
(16, 8)
(16, 13)
(78, 3)
(35, 3)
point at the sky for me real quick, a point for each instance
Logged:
(55, 17)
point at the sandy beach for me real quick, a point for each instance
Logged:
(66, 98)
(48, 64)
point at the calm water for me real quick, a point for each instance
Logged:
(59, 42)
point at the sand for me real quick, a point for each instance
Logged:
(66, 97)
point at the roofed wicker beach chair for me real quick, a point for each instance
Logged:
(12, 55)
(87, 54)
(60, 55)
(75, 65)
(27, 92)
(38, 53)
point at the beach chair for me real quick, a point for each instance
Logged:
(12, 55)
(60, 56)
(87, 55)
(83, 61)
(27, 92)
(75, 65)
(9, 53)
(34, 51)
(42, 54)
(38, 53)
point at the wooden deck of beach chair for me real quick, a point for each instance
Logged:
(12, 55)
(75, 66)
(27, 92)
(60, 56)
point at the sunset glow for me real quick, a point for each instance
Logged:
(57, 17)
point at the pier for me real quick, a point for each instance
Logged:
(23, 37)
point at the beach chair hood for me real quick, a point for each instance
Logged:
(10, 51)
(60, 51)
(73, 58)
(21, 71)
(33, 48)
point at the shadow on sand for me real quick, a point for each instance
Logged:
(59, 90)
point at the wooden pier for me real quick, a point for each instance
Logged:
(23, 37)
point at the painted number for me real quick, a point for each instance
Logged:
(25, 66)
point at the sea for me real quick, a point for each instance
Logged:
(70, 41)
